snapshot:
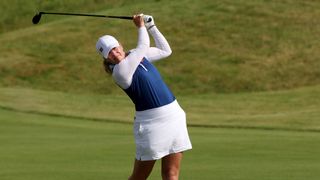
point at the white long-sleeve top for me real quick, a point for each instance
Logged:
(123, 72)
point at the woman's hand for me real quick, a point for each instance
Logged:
(138, 20)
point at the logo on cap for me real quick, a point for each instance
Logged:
(101, 49)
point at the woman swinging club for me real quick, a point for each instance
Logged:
(160, 129)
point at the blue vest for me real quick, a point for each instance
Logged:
(147, 90)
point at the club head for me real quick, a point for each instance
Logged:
(36, 18)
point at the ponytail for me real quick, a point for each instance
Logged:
(108, 67)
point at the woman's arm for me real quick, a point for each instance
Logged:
(162, 49)
(123, 72)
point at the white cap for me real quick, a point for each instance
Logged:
(105, 44)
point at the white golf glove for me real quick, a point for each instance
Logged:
(148, 21)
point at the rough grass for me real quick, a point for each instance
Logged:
(218, 46)
(17, 14)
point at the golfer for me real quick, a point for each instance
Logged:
(160, 129)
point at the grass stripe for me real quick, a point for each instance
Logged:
(189, 124)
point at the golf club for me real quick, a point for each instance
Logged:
(37, 17)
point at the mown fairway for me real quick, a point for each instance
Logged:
(37, 147)
(55, 135)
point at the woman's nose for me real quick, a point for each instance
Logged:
(114, 51)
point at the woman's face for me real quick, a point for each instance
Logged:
(116, 55)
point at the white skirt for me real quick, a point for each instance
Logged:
(160, 131)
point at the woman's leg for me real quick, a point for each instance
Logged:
(171, 166)
(141, 170)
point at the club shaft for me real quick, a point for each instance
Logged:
(92, 15)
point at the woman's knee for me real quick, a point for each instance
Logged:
(170, 173)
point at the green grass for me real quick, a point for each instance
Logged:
(292, 110)
(58, 135)
(218, 46)
(17, 14)
(46, 147)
